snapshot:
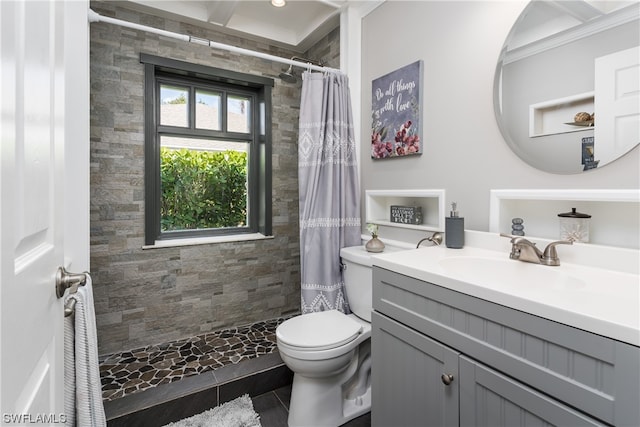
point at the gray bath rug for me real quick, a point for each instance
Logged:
(235, 413)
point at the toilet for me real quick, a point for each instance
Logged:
(330, 353)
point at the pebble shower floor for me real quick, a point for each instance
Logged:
(142, 368)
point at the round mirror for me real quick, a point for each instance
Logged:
(567, 84)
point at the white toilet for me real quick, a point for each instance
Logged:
(330, 353)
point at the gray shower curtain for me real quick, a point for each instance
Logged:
(329, 190)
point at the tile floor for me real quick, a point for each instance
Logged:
(273, 408)
(136, 370)
(127, 373)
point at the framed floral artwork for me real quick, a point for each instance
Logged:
(395, 113)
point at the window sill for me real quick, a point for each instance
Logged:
(171, 243)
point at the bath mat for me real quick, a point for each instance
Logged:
(235, 413)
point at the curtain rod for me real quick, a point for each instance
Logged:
(96, 17)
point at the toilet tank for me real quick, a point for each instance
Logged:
(358, 279)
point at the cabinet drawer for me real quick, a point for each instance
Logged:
(490, 399)
(595, 374)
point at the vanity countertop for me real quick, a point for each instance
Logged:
(598, 300)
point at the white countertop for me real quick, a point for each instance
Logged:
(598, 300)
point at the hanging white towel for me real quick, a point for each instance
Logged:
(83, 393)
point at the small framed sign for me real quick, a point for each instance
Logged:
(406, 214)
(395, 112)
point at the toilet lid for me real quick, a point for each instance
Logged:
(318, 331)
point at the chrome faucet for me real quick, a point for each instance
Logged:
(524, 250)
(435, 238)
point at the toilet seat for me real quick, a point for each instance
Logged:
(318, 331)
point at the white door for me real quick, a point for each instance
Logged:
(617, 104)
(37, 101)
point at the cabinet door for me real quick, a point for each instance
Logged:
(488, 398)
(407, 386)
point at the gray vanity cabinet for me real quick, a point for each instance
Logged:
(410, 390)
(506, 367)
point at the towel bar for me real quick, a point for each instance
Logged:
(71, 281)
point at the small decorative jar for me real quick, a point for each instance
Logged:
(375, 244)
(574, 226)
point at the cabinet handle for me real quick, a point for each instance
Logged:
(447, 379)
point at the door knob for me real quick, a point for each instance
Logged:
(447, 379)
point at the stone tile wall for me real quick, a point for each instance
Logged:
(146, 297)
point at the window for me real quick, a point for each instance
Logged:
(207, 151)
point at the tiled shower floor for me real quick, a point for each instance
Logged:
(142, 368)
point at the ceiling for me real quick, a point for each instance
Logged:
(296, 26)
(548, 18)
(302, 23)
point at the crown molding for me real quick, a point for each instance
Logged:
(607, 22)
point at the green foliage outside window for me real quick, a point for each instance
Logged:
(203, 189)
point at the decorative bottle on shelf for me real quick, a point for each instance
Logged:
(454, 229)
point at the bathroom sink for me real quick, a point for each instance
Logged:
(491, 271)
(600, 300)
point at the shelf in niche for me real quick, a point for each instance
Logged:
(379, 202)
(553, 117)
(614, 222)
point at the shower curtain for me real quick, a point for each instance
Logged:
(329, 190)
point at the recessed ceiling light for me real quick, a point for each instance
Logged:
(278, 3)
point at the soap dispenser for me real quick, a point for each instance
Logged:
(454, 229)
